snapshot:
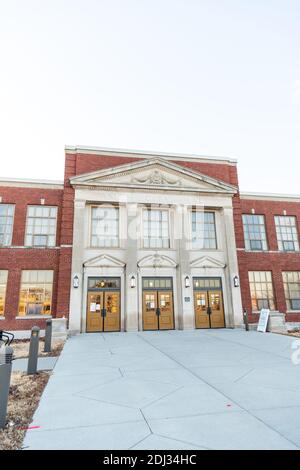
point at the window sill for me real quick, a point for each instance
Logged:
(257, 312)
(33, 317)
(290, 312)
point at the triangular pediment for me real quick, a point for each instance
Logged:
(104, 261)
(155, 174)
(157, 261)
(207, 262)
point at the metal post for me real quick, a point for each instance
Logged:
(246, 320)
(33, 351)
(6, 356)
(48, 336)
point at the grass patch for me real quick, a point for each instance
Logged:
(21, 348)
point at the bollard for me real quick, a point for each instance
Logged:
(6, 356)
(33, 351)
(246, 320)
(48, 336)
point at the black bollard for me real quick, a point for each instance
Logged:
(33, 351)
(48, 336)
(246, 320)
(6, 357)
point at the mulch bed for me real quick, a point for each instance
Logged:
(24, 397)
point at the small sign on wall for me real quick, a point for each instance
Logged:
(263, 320)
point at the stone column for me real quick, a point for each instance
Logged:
(77, 267)
(131, 294)
(234, 293)
(184, 295)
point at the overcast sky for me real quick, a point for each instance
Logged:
(207, 77)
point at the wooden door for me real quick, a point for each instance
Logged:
(217, 318)
(94, 320)
(201, 303)
(112, 311)
(150, 319)
(165, 305)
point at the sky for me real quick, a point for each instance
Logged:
(205, 77)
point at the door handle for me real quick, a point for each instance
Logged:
(103, 312)
(209, 311)
(158, 312)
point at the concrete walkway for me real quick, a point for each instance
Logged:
(218, 389)
(44, 363)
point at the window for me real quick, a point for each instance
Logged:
(156, 228)
(105, 227)
(287, 234)
(3, 282)
(204, 230)
(41, 226)
(291, 281)
(255, 232)
(36, 293)
(103, 283)
(207, 283)
(157, 283)
(261, 288)
(6, 223)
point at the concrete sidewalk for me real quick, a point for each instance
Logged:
(217, 389)
(44, 363)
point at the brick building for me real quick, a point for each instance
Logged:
(136, 240)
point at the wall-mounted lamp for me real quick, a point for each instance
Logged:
(236, 281)
(75, 281)
(187, 282)
(132, 282)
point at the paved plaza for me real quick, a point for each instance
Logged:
(174, 390)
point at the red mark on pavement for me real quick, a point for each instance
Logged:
(29, 428)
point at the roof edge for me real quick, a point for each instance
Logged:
(146, 154)
(269, 196)
(31, 183)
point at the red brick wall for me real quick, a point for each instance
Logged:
(273, 261)
(17, 258)
(77, 164)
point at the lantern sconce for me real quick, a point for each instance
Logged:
(236, 281)
(187, 282)
(75, 281)
(133, 282)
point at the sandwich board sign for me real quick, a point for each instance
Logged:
(263, 320)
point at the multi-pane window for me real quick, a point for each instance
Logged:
(3, 282)
(287, 234)
(204, 230)
(36, 293)
(291, 281)
(41, 226)
(255, 232)
(261, 288)
(105, 227)
(156, 228)
(6, 223)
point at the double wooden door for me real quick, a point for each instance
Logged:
(158, 313)
(209, 309)
(103, 311)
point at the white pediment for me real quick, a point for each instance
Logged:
(157, 261)
(104, 261)
(207, 262)
(155, 174)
